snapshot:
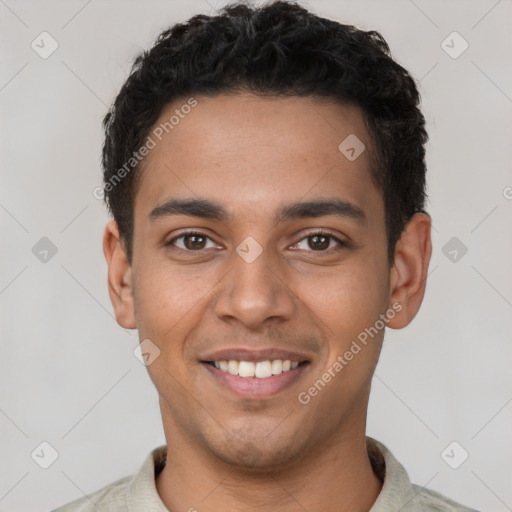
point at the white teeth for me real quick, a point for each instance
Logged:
(246, 369)
(263, 369)
(233, 367)
(277, 367)
(260, 369)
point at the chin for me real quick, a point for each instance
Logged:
(258, 454)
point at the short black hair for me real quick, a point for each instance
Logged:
(276, 49)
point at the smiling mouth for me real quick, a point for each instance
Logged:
(257, 369)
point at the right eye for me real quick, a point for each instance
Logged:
(191, 241)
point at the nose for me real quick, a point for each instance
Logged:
(254, 293)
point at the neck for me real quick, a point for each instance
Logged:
(341, 473)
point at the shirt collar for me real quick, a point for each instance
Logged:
(396, 491)
(141, 491)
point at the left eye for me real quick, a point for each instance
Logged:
(319, 242)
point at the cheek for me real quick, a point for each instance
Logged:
(346, 306)
(345, 298)
(170, 306)
(168, 298)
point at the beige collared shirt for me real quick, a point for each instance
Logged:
(138, 493)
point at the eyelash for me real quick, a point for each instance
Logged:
(341, 243)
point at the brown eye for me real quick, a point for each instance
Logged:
(318, 242)
(191, 241)
(194, 242)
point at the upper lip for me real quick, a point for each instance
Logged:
(243, 354)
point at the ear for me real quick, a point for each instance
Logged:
(409, 271)
(120, 286)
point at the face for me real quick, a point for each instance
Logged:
(259, 247)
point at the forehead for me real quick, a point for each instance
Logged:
(250, 151)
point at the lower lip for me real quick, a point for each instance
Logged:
(253, 387)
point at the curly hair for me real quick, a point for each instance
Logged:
(277, 49)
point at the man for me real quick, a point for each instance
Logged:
(266, 175)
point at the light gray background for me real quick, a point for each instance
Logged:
(68, 374)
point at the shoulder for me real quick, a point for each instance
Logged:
(428, 500)
(111, 498)
(398, 492)
(137, 491)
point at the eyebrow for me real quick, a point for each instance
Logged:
(208, 209)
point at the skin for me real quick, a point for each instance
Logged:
(252, 155)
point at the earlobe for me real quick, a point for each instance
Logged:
(120, 287)
(409, 272)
